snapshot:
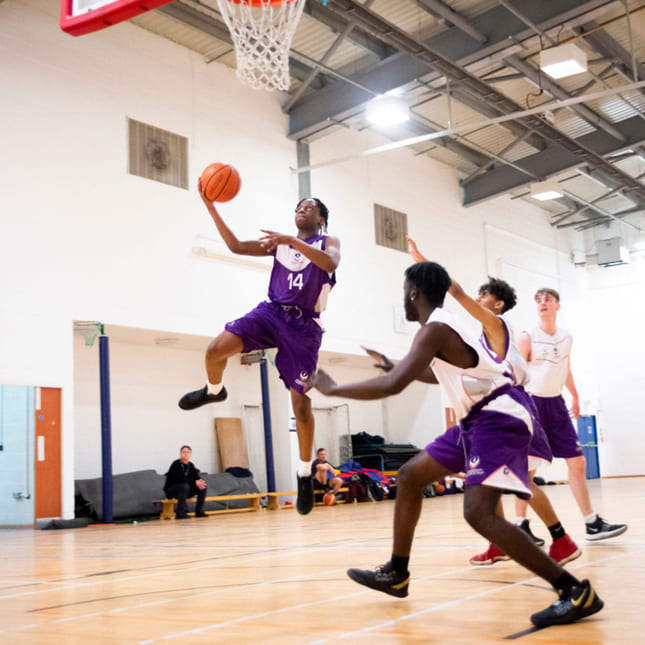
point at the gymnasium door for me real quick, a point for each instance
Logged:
(48, 453)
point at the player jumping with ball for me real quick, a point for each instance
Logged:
(303, 274)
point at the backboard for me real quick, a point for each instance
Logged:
(78, 17)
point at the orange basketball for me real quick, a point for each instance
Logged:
(220, 182)
(329, 499)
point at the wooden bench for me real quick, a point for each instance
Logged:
(273, 504)
(168, 510)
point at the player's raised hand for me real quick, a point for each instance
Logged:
(414, 251)
(382, 361)
(200, 189)
(271, 239)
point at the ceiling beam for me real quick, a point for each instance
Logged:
(340, 99)
(554, 160)
(502, 30)
(415, 128)
(560, 142)
(604, 44)
(553, 89)
(452, 18)
(361, 38)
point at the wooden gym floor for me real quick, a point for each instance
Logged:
(278, 577)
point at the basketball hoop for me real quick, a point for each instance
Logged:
(262, 31)
(89, 330)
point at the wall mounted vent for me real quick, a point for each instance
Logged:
(157, 154)
(391, 228)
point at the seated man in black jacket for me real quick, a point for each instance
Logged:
(182, 481)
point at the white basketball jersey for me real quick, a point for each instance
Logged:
(549, 364)
(512, 354)
(467, 386)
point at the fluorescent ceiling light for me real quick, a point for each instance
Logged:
(563, 60)
(387, 110)
(544, 190)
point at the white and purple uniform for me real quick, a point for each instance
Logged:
(495, 422)
(548, 369)
(539, 448)
(289, 320)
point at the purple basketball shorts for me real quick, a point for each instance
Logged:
(554, 417)
(296, 336)
(492, 452)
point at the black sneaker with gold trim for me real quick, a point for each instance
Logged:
(581, 601)
(383, 578)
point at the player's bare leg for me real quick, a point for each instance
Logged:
(578, 484)
(393, 577)
(218, 352)
(521, 506)
(301, 405)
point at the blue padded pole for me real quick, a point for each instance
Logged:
(106, 428)
(268, 436)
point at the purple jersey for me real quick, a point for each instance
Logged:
(297, 281)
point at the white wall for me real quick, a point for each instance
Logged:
(84, 240)
(616, 314)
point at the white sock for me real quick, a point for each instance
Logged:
(519, 520)
(590, 519)
(304, 469)
(214, 388)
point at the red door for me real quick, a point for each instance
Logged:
(48, 453)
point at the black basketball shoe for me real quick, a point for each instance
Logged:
(601, 530)
(527, 529)
(201, 397)
(305, 500)
(384, 578)
(579, 602)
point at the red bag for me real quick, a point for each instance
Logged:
(356, 491)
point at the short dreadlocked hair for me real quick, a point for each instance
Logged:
(322, 209)
(431, 279)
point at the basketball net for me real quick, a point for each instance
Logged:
(89, 330)
(262, 31)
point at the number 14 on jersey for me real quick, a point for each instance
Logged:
(295, 282)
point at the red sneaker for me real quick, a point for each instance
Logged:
(490, 556)
(564, 550)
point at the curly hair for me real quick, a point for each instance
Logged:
(501, 290)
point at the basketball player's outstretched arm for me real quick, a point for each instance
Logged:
(385, 364)
(328, 260)
(427, 343)
(248, 247)
(493, 326)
